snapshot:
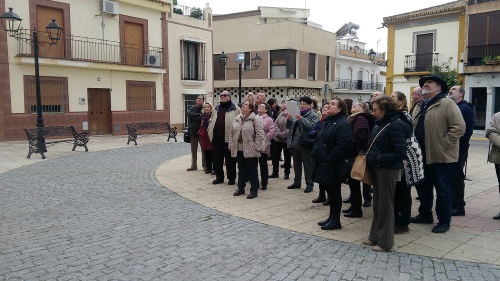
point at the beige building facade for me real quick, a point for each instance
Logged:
(114, 66)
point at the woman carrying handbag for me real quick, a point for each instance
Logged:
(385, 161)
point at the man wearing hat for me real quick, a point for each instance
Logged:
(438, 125)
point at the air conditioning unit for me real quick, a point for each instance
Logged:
(150, 60)
(110, 7)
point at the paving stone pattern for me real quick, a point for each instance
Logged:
(103, 216)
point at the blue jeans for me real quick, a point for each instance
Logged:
(247, 169)
(438, 175)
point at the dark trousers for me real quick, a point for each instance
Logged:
(459, 178)
(355, 187)
(402, 202)
(301, 157)
(497, 170)
(221, 155)
(264, 169)
(438, 175)
(334, 192)
(209, 159)
(276, 155)
(247, 169)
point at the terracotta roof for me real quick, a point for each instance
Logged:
(436, 10)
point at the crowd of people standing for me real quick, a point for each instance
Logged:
(324, 142)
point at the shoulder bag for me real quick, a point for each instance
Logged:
(414, 164)
(359, 170)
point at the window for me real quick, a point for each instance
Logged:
(283, 63)
(141, 95)
(424, 55)
(193, 60)
(327, 73)
(219, 70)
(248, 66)
(311, 70)
(53, 91)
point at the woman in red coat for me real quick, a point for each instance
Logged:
(206, 145)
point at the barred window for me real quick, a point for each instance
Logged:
(193, 60)
(53, 93)
(141, 95)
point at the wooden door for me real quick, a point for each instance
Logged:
(99, 114)
(133, 43)
(44, 16)
(423, 59)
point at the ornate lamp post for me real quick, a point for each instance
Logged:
(240, 59)
(11, 23)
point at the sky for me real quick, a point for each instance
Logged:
(332, 14)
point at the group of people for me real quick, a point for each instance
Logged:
(323, 144)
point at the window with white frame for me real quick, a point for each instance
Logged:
(193, 60)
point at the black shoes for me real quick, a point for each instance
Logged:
(367, 203)
(239, 192)
(420, 219)
(273, 175)
(231, 182)
(497, 217)
(293, 186)
(354, 214)
(264, 187)
(332, 225)
(252, 195)
(191, 169)
(308, 189)
(217, 181)
(400, 229)
(441, 228)
(347, 200)
(458, 212)
(348, 210)
(321, 223)
(208, 172)
(286, 177)
(327, 202)
(320, 199)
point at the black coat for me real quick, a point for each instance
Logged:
(331, 145)
(389, 149)
(194, 116)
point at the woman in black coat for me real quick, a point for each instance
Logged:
(387, 149)
(330, 147)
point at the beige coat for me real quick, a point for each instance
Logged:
(444, 125)
(493, 134)
(228, 122)
(252, 134)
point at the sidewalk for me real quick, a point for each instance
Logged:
(475, 237)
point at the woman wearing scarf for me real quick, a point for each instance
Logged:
(493, 134)
(206, 145)
(330, 147)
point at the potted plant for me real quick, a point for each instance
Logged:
(489, 60)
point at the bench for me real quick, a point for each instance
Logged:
(36, 135)
(149, 127)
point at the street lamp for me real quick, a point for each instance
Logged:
(372, 55)
(11, 23)
(240, 59)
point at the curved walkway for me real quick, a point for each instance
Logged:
(102, 215)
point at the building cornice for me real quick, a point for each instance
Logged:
(452, 7)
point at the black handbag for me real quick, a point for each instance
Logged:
(187, 138)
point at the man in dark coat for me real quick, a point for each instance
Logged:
(194, 116)
(457, 93)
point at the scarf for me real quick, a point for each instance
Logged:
(304, 112)
(206, 119)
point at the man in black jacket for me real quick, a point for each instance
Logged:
(194, 116)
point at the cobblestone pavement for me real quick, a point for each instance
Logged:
(103, 216)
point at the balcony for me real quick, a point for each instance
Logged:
(472, 2)
(420, 62)
(475, 54)
(356, 52)
(349, 84)
(91, 50)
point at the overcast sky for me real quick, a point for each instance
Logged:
(332, 14)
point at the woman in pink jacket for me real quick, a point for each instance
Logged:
(268, 124)
(246, 139)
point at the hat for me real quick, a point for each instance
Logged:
(436, 78)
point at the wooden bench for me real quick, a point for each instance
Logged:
(150, 128)
(36, 135)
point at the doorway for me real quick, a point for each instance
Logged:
(99, 112)
(478, 100)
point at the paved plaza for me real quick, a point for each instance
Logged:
(124, 212)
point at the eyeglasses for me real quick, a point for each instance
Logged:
(224, 95)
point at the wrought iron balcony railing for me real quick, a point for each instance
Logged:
(476, 54)
(420, 62)
(90, 49)
(357, 84)
(471, 2)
